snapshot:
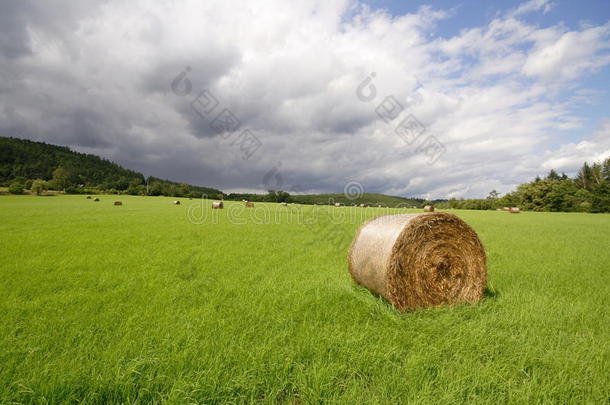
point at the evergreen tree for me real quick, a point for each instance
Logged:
(553, 175)
(606, 170)
(584, 178)
(600, 201)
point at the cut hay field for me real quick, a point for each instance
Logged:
(143, 303)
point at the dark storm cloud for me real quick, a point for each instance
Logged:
(57, 18)
(205, 71)
(97, 76)
(85, 128)
(14, 38)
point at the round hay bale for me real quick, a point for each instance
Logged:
(505, 209)
(283, 204)
(514, 210)
(217, 205)
(428, 208)
(88, 197)
(96, 199)
(118, 203)
(249, 204)
(176, 202)
(419, 260)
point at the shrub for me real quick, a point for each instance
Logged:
(39, 186)
(136, 190)
(584, 206)
(72, 190)
(16, 188)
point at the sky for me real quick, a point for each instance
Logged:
(432, 99)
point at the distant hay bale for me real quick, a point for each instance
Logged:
(506, 209)
(428, 208)
(499, 209)
(217, 205)
(284, 204)
(514, 210)
(88, 197)
(337, 204)
(249, 204)
(419, 260)
(96, 199)
(176, 202)
(118, 203)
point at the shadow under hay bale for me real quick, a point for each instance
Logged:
(118, 203)
(96, 199)
(428, 208)
(419, 260)
(490, 292)
(88, 197)
(217, 205)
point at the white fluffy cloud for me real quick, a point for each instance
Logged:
(569, 157)
(98, 76)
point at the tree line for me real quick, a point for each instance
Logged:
(373, 200)
(38, 166)
(588, 191)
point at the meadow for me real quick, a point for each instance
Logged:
(153, 302)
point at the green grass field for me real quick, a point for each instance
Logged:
(146, 303)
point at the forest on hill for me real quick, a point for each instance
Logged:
(24, 163)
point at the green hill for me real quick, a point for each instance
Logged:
(24, 160)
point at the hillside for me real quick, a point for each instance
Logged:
(38, 160)
(28, 160)
(24, 160)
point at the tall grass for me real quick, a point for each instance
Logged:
(139, 304)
